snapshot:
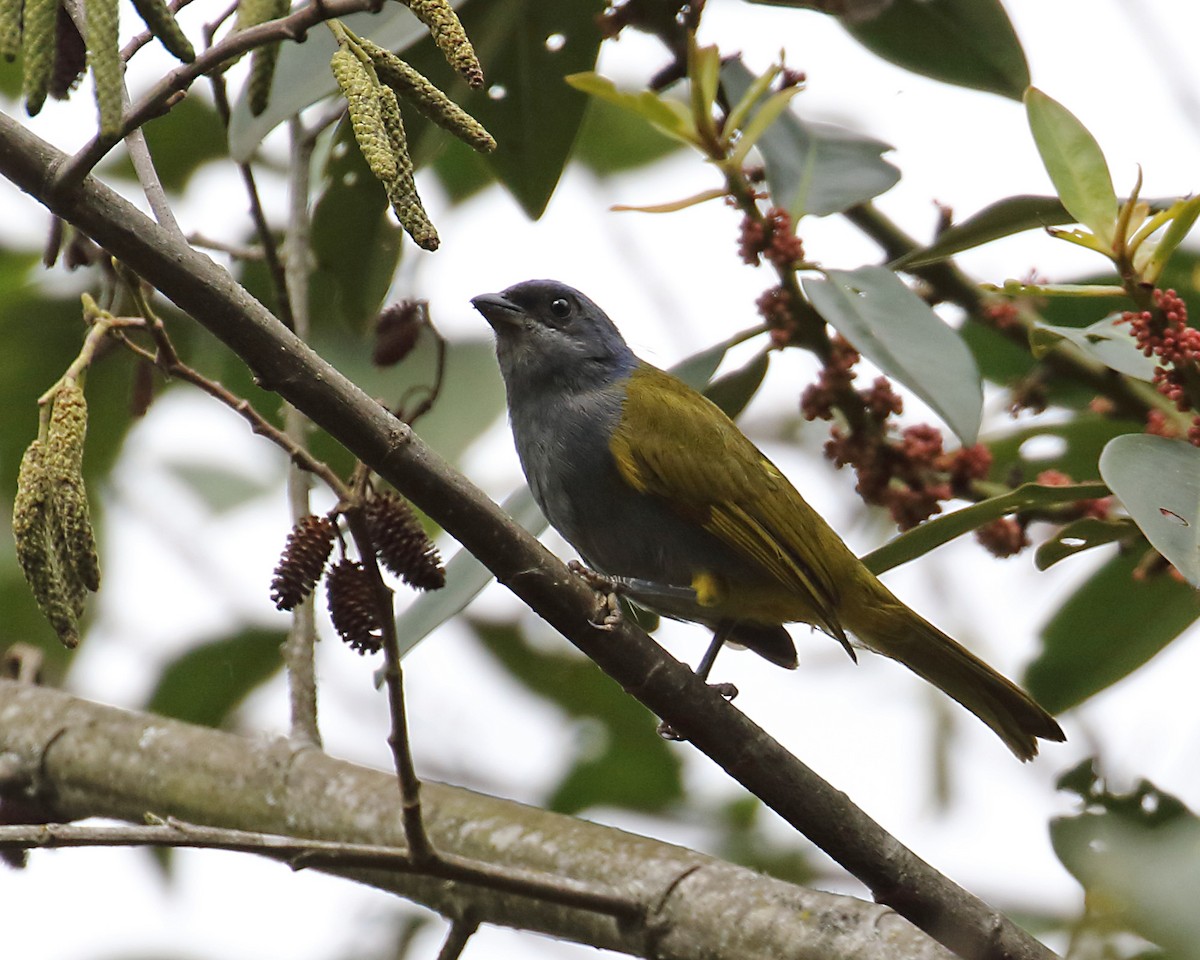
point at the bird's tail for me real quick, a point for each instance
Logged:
(884, 624)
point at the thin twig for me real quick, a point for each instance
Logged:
(461, 930)
(299, 648)
(300, 853)
(234, 250)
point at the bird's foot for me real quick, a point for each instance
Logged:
(608, 611)
(668, 732)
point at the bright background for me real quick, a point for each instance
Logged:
(673, 284)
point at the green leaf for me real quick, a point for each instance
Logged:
(206, 684)
(355, 246)
(933, 533)
(1105, 630)
(1139, 856)
(969, 43)
(1085, 533)
(1072, 447)
(669, 117)
(735, 390)
(1075, 163)
(1105, 341)
(697, 370)
(533, 114)
(1158, 481)
(220, 489)
(898, 332)
(815, 168)
(609, 144)
(620, 759)
(1000, 219)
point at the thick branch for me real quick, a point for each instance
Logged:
(86, 759)
(894, 874)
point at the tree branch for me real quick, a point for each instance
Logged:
(84, 759)
(282, 362)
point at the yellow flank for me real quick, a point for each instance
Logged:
(710, 589)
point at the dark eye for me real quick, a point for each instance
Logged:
(560, 309)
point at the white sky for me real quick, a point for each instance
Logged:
(672, 283)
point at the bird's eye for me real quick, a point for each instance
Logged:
(560, 308)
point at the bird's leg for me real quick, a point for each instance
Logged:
(703, 668)
(608, 613)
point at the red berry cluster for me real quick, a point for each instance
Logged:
(911, 474)
(775, 307)
(1163, 333)
(771, 239)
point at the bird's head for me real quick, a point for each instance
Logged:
(551, 336)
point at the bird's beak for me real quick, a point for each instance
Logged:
(497, 310)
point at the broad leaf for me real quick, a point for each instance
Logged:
(969, 43)
(1075, 163)
(669, 117)
(815, 168)
(205, 684)
(1085, 533)
(733, 391)
(1105, 340)
(900, 334)
(1105, 630)
(1158, 481)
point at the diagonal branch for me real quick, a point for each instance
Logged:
(894, 874)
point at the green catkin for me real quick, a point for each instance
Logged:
(263, 59)
(40, 38)
(450, 37)
(362, 92)
(402, 189)
(71, 520)
(419, 91)
(10, 29)
(104, 55)
(162, 23)
(56, 598)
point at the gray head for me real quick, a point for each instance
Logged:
(551, 337)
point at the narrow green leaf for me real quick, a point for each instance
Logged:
(898, 332)
(669, 117)
(735, 390)
(1185, 214)
(1105, 630)
(1158, 481)
(933, 533)
(969, 43)
(814, 168)
(1085, 533)
(1105, 340)
(205, 684)
(1075, 163)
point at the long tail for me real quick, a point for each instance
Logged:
(884, 624)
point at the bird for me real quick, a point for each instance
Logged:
(661, 493)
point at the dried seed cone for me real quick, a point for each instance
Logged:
(401, 542)
(362, 93)
(38, 44)
(104, 55)
(263, 60)
(70, 57)
(402, 189)
(353, 606)
(396, 331)
(57, 597)
(414, 87)
(10, 29)
(302, 561)
(450, 37)
(162, 23)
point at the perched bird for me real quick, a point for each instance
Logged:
(658, 490)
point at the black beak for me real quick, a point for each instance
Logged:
(497, 310)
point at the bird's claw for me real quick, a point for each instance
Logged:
(668, 732)
(608, 611)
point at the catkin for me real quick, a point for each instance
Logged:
(402, 188)
(450, 37)
(263, 59)
(362, 92)
(10, 29)
(162, 23)
(71, 521)
(414, 87)
(104, 54)
(38, 44)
